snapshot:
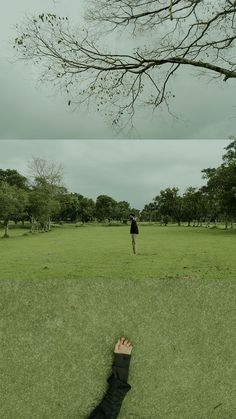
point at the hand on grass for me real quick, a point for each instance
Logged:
(123, 346)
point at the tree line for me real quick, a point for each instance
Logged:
(42, 198)
(211, 203)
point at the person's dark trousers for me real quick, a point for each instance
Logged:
(110, 406)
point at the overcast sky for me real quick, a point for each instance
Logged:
(205, 110)
(129, 170)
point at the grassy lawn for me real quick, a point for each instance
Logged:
(67, 295)
(105, 252)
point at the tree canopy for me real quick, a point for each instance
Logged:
(14, 178)
(13, 201)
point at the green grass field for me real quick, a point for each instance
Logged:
(67, 295)
(105, 252)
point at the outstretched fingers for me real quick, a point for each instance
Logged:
(123, 346)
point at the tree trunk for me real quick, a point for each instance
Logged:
(6, 224)
(49, 223)
(31, 225)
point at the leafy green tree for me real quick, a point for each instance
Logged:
(42, 206)
(221, 184)
(150, 213)
(210, 206)
(105, 207)
(229, 158)
(14, 178)
(170, 204)
(194, 206)
(73, 209)
(47, 188)
(13, 202)
(135, 211)
(122, 210)
(189, 204)
(69, 207)
(200, 207)
(86, 209)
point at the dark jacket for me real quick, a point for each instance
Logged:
(134, 227)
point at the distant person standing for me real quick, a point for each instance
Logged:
(133, 231)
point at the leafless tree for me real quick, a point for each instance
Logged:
(171, 35)
(41, 170)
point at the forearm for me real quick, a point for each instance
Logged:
(118, 387)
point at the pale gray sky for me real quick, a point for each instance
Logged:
(129, 170)
(205, 110)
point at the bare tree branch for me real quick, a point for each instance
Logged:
(182, 33)
(43, 170)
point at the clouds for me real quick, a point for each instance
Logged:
(204, 110)
(129, 170)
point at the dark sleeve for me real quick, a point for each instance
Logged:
(120, 367)
(110, 406)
